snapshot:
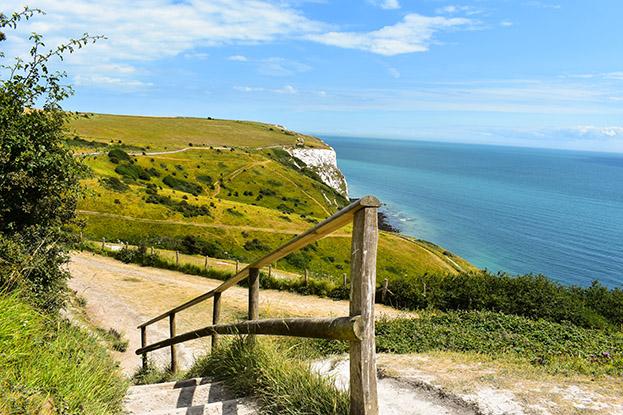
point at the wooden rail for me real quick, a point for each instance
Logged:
(357, 328)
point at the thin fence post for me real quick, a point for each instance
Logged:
(143, 344)
(172, 334)
(205, 264)
(177, 258)
(363, 384)
(344, 280)
(103, 243)
(254, 296)
(216, 315)
(306, 277)
(384, 291)
(270, 270)
(237, 265)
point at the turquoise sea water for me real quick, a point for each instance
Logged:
(518, 210)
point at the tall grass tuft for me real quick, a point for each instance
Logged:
(281, 383)
(49, 366)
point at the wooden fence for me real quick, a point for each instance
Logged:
(357, 328)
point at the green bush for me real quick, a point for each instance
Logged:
(182, 185)
(116, 155)
(113, 183)
(533, 296)
(47, 363)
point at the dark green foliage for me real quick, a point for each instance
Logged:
(113, 183)
(234, 212)
(255, 245)
(192, 246)
(39, 177)
(116, 155)
(206, 179)
(183, 185)
(299, 259)
(528, 295)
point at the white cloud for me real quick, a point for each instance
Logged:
(455, 9)
(506, 23)
(238, 58)
(147, 30)
(386, 4)
(281, 67)
(592, 131)
(394, 73)
(286, 89)
(110, 82)
(413, 34)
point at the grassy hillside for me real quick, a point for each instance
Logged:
(49, 366)
(168, 133)
(235, 203)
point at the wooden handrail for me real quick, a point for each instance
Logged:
(324, 228)
(357, 329)
(340, 328)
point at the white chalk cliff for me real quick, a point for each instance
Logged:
(324, 163)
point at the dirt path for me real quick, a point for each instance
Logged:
(122, 296)
(207, 225)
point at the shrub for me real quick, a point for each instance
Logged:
(113, 183)
(255, 245)
(116, 155)
(182, 185)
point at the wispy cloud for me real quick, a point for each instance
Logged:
(286, 89)
(281, 67)
(386, 4)
(458, 9)
(238, 58)
(542, 4)
(413, 34)
(506, 23)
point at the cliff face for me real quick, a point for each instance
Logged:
(324, 163)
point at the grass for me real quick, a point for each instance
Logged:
(166, 133)
(278, 379)
(556, 348)
(50, 366)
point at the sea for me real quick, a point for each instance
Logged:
(518, 210)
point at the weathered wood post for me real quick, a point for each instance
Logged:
(254, 296)
(103, 243)
(306, 277)
(344, 280)
(270, 270)
(363, 393)
(384, 291)
(143, 344)
(216, 315)
(177, 258)
(237, 266)
(205, 263)
(172, 334)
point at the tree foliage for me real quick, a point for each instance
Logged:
(39, 177)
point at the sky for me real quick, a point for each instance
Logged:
(512, 72)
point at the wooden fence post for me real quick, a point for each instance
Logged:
(363, 392)
(216, 315)
(306, 277)
(345, 280)
(205, 264)
(237, 265)
(172, 334)
(143, 344)
(270, 270)
(177, 258)
(254, 296)
(384, 291)
(103, 243)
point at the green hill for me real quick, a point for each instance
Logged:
(237, 203)
(167, 133)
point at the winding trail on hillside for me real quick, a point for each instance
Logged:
(205, 225)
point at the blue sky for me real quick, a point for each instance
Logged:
(516, 72)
